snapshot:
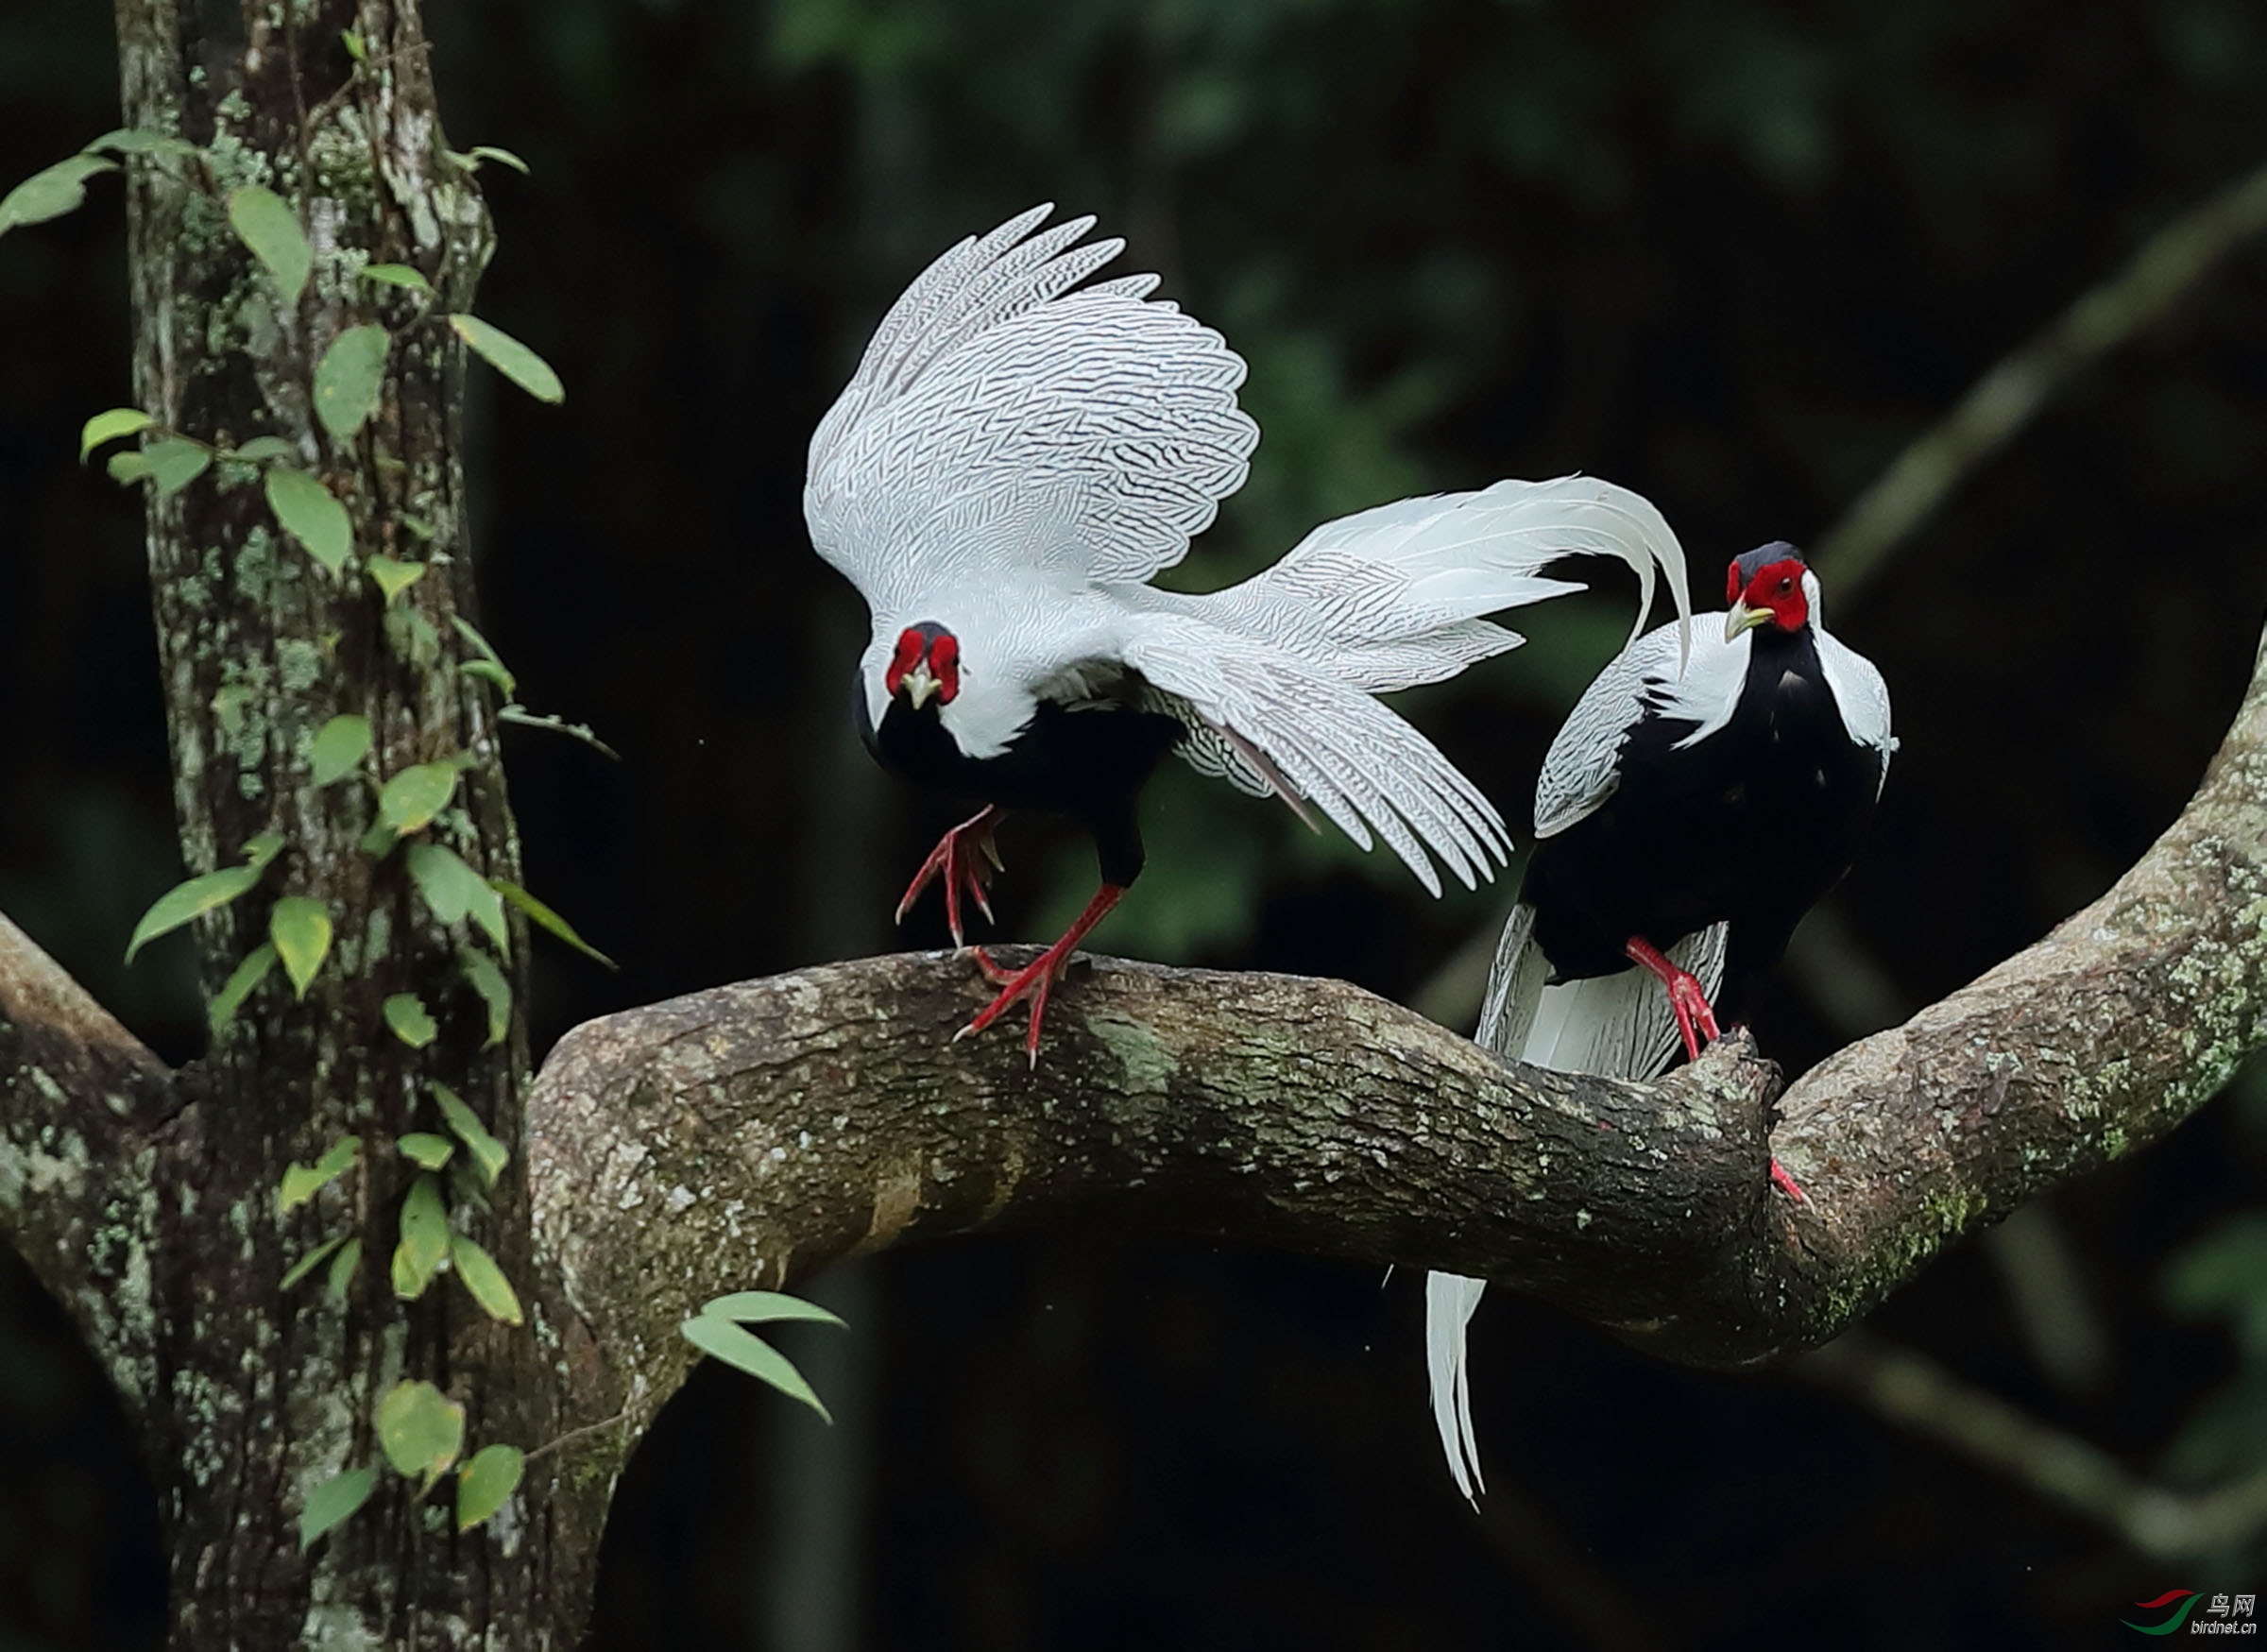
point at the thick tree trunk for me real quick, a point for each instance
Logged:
(253, 1396)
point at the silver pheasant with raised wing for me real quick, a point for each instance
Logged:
(1018, 455)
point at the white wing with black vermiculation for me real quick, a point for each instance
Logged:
(1004, 429)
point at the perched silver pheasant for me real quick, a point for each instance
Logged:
(1702, 794)
(1018, 455)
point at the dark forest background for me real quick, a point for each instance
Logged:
(1734, 256)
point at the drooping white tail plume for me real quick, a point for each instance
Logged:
(1617, 1026)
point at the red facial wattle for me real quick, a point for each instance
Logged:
(911, 646)
(944, 665)
(930, 649)
(1776, 589)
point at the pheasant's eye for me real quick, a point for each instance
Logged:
(1786, 584)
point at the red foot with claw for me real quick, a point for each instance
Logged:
(1038, 978)
(1687, 998)
(959, 858)
(1785, 1183)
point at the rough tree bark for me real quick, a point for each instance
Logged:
(749, 1134)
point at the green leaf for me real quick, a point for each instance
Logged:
(484, 1483)
(544, 917)
(511, 358)
(756, 1307)
(301, 1182)
(405, 1014)
(496, 673)
(488, 671)
(391, 577)
(484, 1280)
(353, 43)
(492, 986)
(350, 378)
(339, 747)
(333, 1501)
(342, 1271)
(397, 275)
(425, 1149)
(310, 1261)
(108, 427)
(192, 899)
(258, 851)
(471, 159)
(557, 724)
(261, 449)
(129, 466)
(455, 892)
(133, 141)
(490, 1154)
(744, 1351)
(50, 193)
(300, 928)
(311, 513)
(424, 1236)
(421, 1430)
(175, 463)
(266, 223)
(413, 798)
(247, 974)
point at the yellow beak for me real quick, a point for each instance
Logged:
(917, 686)
(1743, 618)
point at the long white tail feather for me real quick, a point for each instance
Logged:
(1619, 1026)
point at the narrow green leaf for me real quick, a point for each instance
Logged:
(134, 141)
(484, 1280)
(511, 358)
(424, 1233)
(489, 1153)
(353, 43)
(745, 1351)
(301, 1182)
(756, 1307)
(544, 917)
(300, 928)
(333, 1501)
(498, 674)
(425, 1149)
(405, 1014)
(108, 427)
(258, 851)
(192, 899)
(494, 989)
(310, 1261)
(471, 159)
(266, 223)
(488, 671)
(52, 193)
(175, 463)
(391, 577)
(421, 1430)
(557, 724)
(397, 275)
(455, 892)
(349, 380)
(339, 747)
(128, 467)
(342, 1271)
(378, 841)
(411, 799)
(246, 976)
(484, 1484)
(262, 449)
(311, 513)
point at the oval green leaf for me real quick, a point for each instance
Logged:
(342, 1271)
(192, 899)
(455, 892)
(128, 467)
(311, 513)
(333, 1501)
(241, 981)
(405, 1014)
(391, 577)
(484, 1483)
(266, 223)
(175, 463)
(421, 1430)
(339, 747)
(397, 275)
(425, 1149)
(350, 378)
(300, 928)
(756, 1307)
(484, 1280)
(424, 1236)
(52, 193)
(488, 1152)
(301, 1182)
(745, 1351)
(108, 427)
(494, 989)
(411, 799)
(511, 358)
(544, 917)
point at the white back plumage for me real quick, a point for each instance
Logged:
(1016, 455)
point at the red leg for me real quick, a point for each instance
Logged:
(960, 857)
(1785, 1183)
(1687, 998)
(1037, 979)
